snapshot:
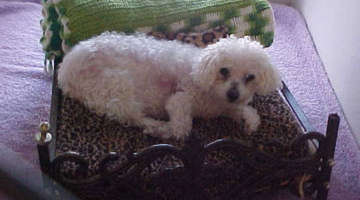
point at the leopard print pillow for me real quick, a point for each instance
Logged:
(199, 39)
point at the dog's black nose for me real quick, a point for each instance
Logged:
(232, 94)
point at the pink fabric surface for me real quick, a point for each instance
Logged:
(25, 89)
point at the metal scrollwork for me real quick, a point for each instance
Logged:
(70, 157)
(144, 175)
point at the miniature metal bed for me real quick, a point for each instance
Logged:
(214, 161)
(258, 171)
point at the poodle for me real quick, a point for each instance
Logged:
(140, 81)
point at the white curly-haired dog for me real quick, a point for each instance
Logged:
(137, 80)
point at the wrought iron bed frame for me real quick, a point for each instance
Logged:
(111, 184)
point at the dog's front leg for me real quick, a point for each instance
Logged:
(248, 114)
(179, 108)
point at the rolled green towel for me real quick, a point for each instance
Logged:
(77, 20)
(51, 27)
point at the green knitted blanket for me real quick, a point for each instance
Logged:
(66, 22)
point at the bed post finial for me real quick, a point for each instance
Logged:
(43, 136)
(329, 151)
(43, 139)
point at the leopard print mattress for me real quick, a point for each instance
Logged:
(93, 136)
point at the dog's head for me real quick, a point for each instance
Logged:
(234, 69)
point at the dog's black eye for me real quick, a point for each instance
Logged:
(249, 78)
(224, 71)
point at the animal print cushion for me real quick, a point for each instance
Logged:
(93, 136)
(199, 39)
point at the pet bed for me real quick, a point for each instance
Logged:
(98, 158)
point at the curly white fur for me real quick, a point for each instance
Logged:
(138, 80)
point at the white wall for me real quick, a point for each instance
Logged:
(335, 27)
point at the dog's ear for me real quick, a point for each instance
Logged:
(269, 80)
(205, 73)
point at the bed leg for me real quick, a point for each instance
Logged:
(43, 140)
(328, 156)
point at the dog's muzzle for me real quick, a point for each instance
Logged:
(232, 95)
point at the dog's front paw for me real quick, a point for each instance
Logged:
(252, 119)
(252, 124)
